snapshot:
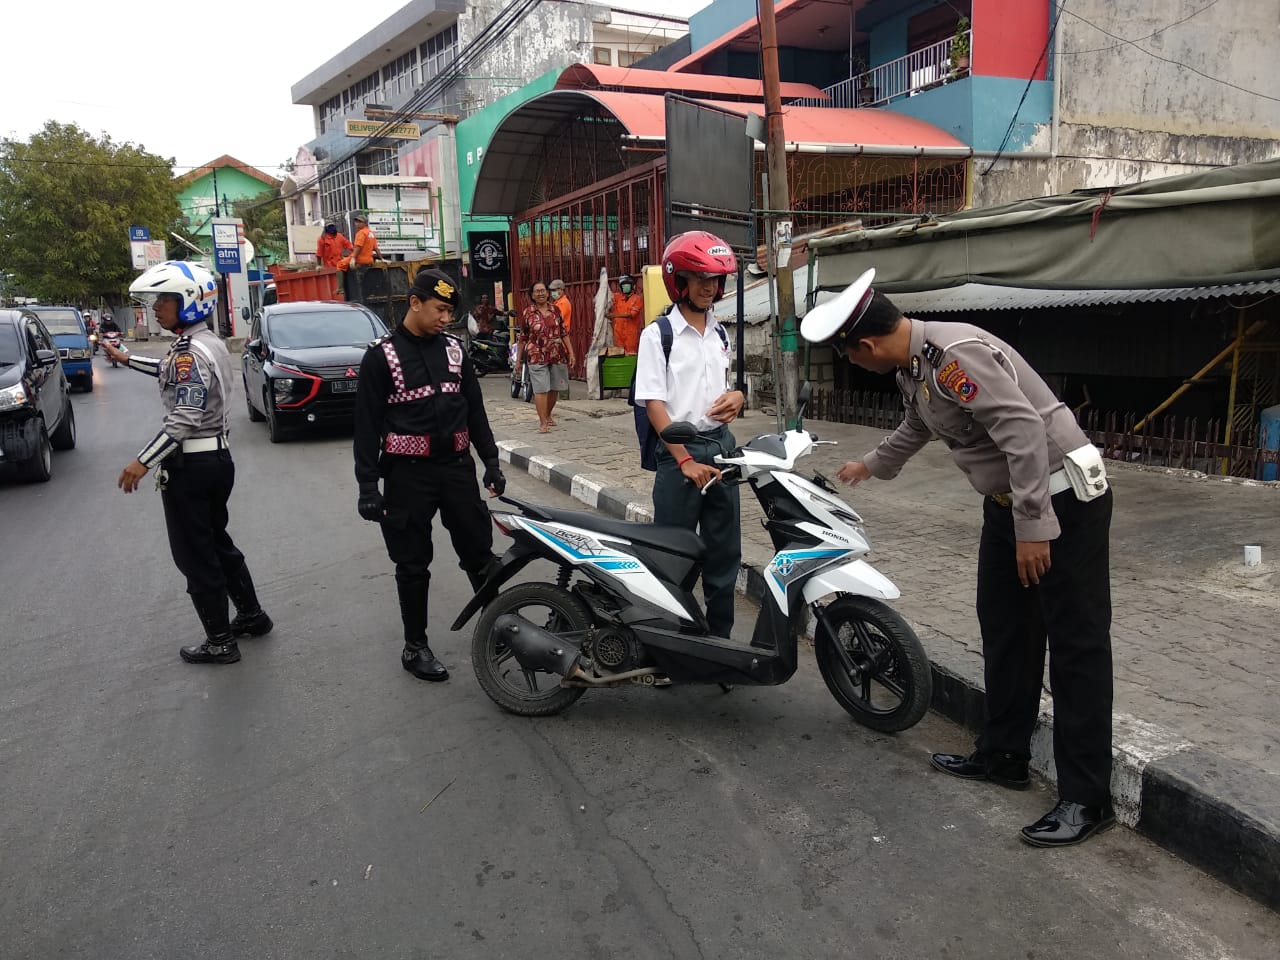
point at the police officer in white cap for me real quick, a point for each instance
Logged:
(1043, 559)
(196, 472)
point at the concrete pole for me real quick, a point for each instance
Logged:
(779, 200)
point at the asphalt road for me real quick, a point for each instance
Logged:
(316, 801)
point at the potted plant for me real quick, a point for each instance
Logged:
(960, 47)
(862, 80)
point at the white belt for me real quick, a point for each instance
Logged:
(1059, 481)
(204, 444)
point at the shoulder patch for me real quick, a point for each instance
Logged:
(185, 368)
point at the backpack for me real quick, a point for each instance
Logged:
(645, 434)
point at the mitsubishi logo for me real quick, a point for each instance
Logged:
(351, 371)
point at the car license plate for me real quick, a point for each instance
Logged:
(343, 386)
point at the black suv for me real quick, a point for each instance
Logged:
(302, 363)
(35, 401)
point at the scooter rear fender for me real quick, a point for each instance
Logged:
(512, 562)
(856, 577)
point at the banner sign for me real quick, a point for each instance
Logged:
(396, 131)
(489, 254)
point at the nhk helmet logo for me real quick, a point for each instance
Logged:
(719, 251)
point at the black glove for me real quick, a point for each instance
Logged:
(493, 477)
(371, 505)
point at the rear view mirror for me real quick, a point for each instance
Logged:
(254, 347)
(244, 313)
(46, 358)
(680, 431)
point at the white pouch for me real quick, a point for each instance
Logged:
(1086, 471)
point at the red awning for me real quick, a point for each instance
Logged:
(588, 76)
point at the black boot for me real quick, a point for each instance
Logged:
(417, 657)
(220, 643)
(250, 619)
(478, 577)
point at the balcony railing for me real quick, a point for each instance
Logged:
(905, 77)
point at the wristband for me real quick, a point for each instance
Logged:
(681, 463)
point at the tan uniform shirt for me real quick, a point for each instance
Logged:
(1005, 428)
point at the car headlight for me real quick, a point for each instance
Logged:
(283, 388)
(13, 397)
(77, 354)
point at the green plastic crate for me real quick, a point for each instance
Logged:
(616, 372)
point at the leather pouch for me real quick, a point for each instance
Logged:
(1087, 472)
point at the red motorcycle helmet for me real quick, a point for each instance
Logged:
(699, 253)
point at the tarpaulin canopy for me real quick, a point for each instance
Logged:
(1218, 227)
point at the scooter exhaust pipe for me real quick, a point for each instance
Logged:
(535, 648)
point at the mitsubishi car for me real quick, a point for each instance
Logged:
(302, 363)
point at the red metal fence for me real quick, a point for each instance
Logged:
(1183, 442)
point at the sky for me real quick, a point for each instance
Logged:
(189, 81)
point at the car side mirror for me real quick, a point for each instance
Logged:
(244, 313)
(46, 358)
(255, 348)
(802, 403)
(680, 431)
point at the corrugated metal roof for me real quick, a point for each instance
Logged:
(590, 76)
(983, 296)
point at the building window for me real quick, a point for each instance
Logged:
(330, 112)
(397, 76)
(438, 52)
(362, 92)
(628, 57)
(602, 55)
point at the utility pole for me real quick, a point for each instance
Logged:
(779, 200)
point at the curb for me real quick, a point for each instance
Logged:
(1218, 814)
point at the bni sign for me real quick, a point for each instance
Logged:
(226, 248)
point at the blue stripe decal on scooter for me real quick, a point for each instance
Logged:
(604, 562)
(784, 563)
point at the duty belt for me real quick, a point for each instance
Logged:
(204, 444)
(1058, 481)
(421, 445)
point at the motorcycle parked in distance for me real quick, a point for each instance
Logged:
(490, 352)
(622, 609)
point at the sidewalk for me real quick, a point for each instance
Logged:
(1196, 646)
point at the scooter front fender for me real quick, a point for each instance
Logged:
(857, 577)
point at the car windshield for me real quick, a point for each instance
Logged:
(10, 346)
(322, 328)
(60, 321)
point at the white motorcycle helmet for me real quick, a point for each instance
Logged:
(192, 283)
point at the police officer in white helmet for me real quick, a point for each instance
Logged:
(190, 452)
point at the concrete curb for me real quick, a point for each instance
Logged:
(1216, 813)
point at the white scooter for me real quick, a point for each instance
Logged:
(622, 609)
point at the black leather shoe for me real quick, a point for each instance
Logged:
(251, 625)
(422, 663)
(211, 652)
(1069, 823)
(1002, 769)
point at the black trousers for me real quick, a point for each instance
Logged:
(717, 518)
(415, 489)
(1070, 610)
(195, 512)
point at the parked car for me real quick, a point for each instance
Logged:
(71, 334)
(302, 363)
(36, 417)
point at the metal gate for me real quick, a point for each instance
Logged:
(616, 224)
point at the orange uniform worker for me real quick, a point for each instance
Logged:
(366, 245)
(627, 315)
(332, 246)
(562, 303)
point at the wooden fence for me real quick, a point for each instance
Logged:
(1185, 442)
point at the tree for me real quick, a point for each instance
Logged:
(66, 204)
(264, 225)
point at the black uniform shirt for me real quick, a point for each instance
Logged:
(424, 361)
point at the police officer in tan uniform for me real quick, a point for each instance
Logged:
(1043, 559)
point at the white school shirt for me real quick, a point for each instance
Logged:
(695, 376)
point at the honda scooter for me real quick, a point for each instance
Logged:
(622, 611)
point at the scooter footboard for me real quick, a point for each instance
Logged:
(857, 577)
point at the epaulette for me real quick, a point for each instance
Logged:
(380, 341)
(457, 340)
(932, 352)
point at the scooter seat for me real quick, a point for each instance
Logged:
(678, 540)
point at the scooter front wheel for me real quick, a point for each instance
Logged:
(528, 693)
(874, 665)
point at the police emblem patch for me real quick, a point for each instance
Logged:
(453, 353)
(966, 389)
(183, 364)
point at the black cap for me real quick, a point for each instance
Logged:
(437, 284)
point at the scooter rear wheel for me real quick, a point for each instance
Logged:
(879, 673)
(528, 693)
